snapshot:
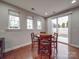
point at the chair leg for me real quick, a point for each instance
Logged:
(49, 56)
(38, 51)
(1, 57)
(41, 56)
(32, 46)
(56, 48)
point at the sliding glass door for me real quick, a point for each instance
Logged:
(60, 25)
(63, 29)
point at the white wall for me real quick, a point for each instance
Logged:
(49, 26)
(73, 30)
(17, 38)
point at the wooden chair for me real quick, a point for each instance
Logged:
(2, 47)
(54, 42)
(34, 40)
(44, 46)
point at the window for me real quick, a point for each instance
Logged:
(63, 21)
(29, 23)
(54, 25)
(63, 28)
(14, 21)
(39, 25)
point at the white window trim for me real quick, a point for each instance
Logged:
(30, 18)
(17, 15)
(40, 23)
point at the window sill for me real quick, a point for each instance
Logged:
(9, 30)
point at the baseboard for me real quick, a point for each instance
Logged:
(19, 46)
(73, 45)
(63, 43)
(16, 47)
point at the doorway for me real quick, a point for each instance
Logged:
(60, 25)
(63, 29)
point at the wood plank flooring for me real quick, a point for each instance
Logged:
(64, 52)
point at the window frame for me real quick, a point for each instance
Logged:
(17, 14)
(40, 24)
(30, 18)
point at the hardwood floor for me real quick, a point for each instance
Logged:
(64, 52)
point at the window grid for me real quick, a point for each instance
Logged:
(29, 24)
(39, 25)
(14, 22)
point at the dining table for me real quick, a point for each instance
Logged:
(38, 35)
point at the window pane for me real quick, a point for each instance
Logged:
(29, 24)
(14, 22)
(54, 25)
(39, 25)
(63, 29)
(63, 21)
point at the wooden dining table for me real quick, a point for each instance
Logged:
(38, 35)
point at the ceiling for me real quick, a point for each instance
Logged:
(44, 6)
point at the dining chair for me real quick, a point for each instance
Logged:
(54, 42)
(44, 46)
(34, 40)
(2, 47)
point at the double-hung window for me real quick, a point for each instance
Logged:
(39, 25)
(29, 23)
(14, 20)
